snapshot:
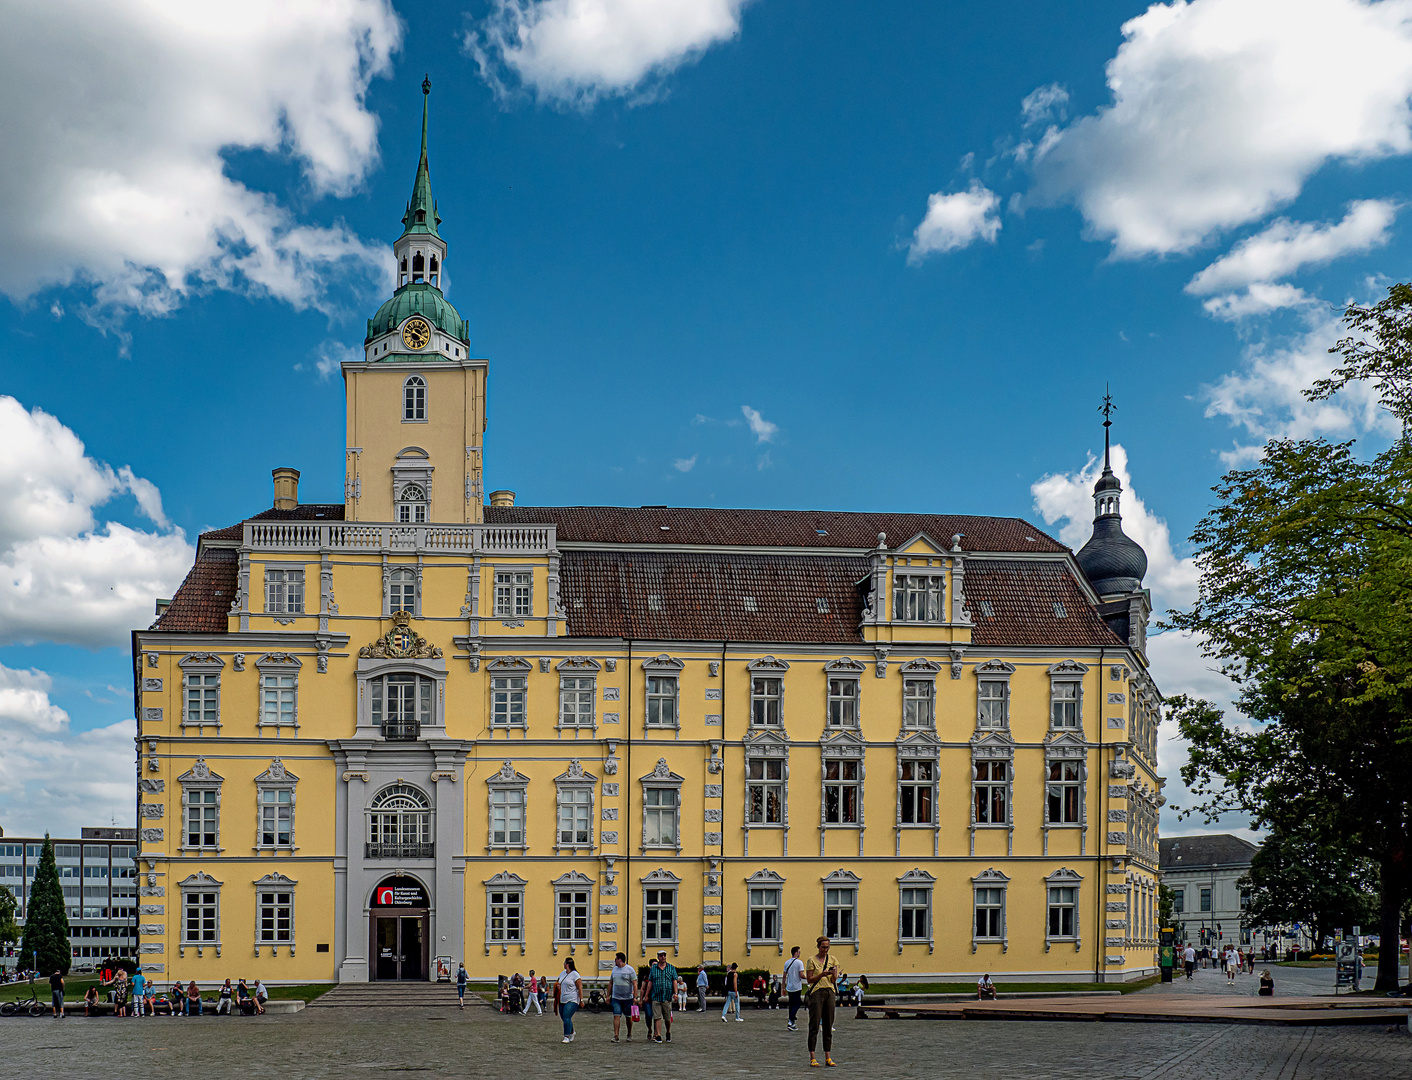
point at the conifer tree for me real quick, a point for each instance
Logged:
(46, 932)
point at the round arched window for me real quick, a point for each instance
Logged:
(399, 824)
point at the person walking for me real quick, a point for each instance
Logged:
(622, 993)
(1229, 963)
(56, 994)
(532, 994)
(461, 979)
(732, 994)
(703, 983)
(821, 974)
(794, 986)
(1189, 961)
(661, 984)
(568, 996)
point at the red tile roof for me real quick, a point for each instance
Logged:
(1031, 602)
(202, 602)
(773, 528)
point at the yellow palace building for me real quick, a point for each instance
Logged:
(425, 724)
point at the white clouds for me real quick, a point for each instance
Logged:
(763, 430)
(1044, 104)
(576, 52)
(1068, 497)
(1259, 298)
(24, 698)
(955, 221)
(685, 465)
(1266, 396)
(330, 357)
(112, 174)
(1223, 108)
(65, 577)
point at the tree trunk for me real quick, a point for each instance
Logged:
(1390, 940)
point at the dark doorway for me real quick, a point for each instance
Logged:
(399, 946)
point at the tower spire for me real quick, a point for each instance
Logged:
(1107, 408)
(421, 216)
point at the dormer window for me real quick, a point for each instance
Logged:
(917, 598)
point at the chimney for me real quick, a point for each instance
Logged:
(286, 488)
(502, 498)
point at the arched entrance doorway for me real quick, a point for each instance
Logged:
(399, 929)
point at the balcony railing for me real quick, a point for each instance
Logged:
(399, 851)
(402, 731)
(443, 539)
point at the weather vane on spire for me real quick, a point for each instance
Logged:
(426, 84)
(1107, 409)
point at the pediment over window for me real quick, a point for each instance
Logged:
(579, 663)
(662, 774)
(769, 665)
(200, 773)
(276, 879)
(1064, 876)
(1065, 744)
(276, 774)
(507, 775)
(765, 742)
(921, 666)
(764, 877)
(921, 544)
(842, 877)
(277, 660)
(918, 744)
(203, 660)
(995, 667)
(573, 877)
(845, 743)
(917, 877)
(412, 452)
(516, 664)
(663, 664)
(1068, 667)
(990, 876)
(661, 877)
(574, 774)
(507, 880)
(845, 665)
(198, 880)
(992, 744)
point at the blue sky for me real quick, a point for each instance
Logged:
(772, 253)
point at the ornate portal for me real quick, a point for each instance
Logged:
(400, 643)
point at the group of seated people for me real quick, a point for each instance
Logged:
(139, 996)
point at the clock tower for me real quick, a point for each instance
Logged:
(415, 402)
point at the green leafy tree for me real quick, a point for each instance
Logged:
(1301, 877)
(1166, 907)
(1306, 602)
(9, 928)
(46, 931)
(1379, 351)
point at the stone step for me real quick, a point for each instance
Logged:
(385, 995)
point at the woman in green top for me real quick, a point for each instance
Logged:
(820, 975)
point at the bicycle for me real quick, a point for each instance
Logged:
(31, 1004)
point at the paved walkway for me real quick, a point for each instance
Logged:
(1289, 982)
(342, 1043)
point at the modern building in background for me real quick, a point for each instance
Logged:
(1204, 875)
(99, 874)
(421, 723)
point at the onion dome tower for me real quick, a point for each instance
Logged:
(1114, 563)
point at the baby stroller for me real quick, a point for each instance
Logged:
(514, 999)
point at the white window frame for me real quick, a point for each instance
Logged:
(915, 587)
(1066, 673)
(766, 782)
(206, 891)
(512, 592)
(413, 504)
(506, 885)
(990, 879)
(425, 696)
(277, 666)
(397, 579)
(200, 780)
(837, 675)
(571, 885)
(1060, 786)
(196, 671)
(574, 688)
(764, 881)
(919, 674)
(661, 779)
(989, 784)
(414, 399)
(855, 783)
(767, 688)
(841, 896)
(917, 881)
(503, 782)
(514, 671)
(284, 589)
(991, 675)
(274, 885)
(1063, 878)
(275, 779)
(916, 783)
(575, 782)
(660, 881)
(424, 813)
(667, 692)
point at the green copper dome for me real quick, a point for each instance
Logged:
(419, 299)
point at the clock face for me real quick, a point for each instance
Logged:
(416, 333)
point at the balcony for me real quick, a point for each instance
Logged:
(402, 731)
(399, 851)
(372, 538)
